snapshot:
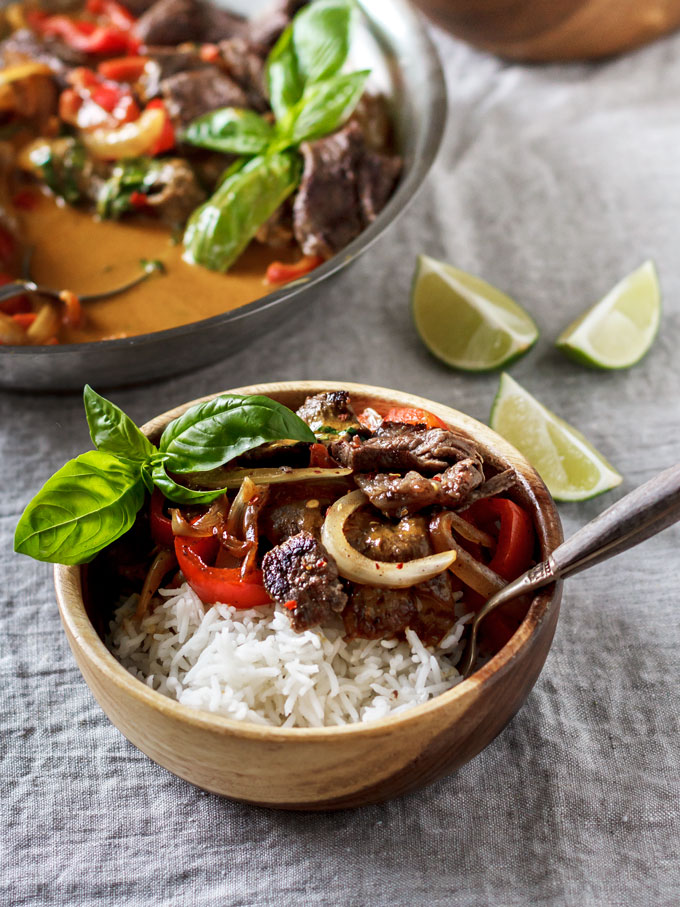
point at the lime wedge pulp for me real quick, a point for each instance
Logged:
(568, 464)
(466, 322)
(619, 329)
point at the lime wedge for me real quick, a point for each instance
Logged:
(466, 322)
(568, 464)
(619, 329)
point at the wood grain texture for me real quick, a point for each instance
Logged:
(329, 768)
(556, 30)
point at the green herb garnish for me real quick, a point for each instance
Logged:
(94, 499)
(310, 98)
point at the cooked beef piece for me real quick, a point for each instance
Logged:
(24, 45)
(399, 448)
(279, 523)
(137, 7)
(170, 22)
(163, 63)
(378, 613)
(275, 453)
(382, 541)
(301, 570)
(268, 25)
(373, 116)
(297, 506)
(397, 495)
(191, 94)
(244, 63)
(344, 186)
(277, 232)
(175, 192)
(330, 412)
(496, 485)
(427, 607)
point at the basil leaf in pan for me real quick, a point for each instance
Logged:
(326, 105)
(283, 76)
(89, 503)
(220, 229)
(321, 38)
(230, 130)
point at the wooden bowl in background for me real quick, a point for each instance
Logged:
(329, 768)
(554, 30)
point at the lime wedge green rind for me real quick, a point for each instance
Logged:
(620, 329)
(464, 321)
(566, 461)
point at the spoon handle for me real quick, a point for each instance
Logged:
(637, 516)
(16, 288)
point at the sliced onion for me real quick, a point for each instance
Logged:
(11, 333)
(266, 475)
(470, 532)
(355, 566)
(45, 326)
(164, 561)
(475, 575)
(129, 140)
(205, 524)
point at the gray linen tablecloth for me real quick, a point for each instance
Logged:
(553, 183)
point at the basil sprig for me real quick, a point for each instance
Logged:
(94, 499)
(310, 98)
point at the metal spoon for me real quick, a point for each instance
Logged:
(648, 509)
(29, 286)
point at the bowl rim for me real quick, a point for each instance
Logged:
(407, 189)
(68, 587)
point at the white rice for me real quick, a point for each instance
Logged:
(252, 666)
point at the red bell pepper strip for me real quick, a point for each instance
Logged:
(113, 12)
(161, 525)
(515, 545)
(167, 140)
(320, 458)
(123, 69)
(25, 319)
(279, 272)
(84, 36)
(218, 584)
(411, 416)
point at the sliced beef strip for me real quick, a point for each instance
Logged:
(172, 22)
(175, 193)
(378, 613)
(374, 613)
(137, 7)
(244, 62)
(287, 519)
(397, 495)
(382, 540)
(163, 63)
(277, 232)
(301, 570)
(400, 448)
(343, 188)
(332, 410)
(266, 28)
(24, 44)
(191, 94)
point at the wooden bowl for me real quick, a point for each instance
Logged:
(329, 768)
(555, 30)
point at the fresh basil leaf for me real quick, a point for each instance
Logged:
(220, 229)
(179, 493)
(321, 38)
(86, 505)
(283, 77)
(326, 105)
(212, 433)
(143, 175)
(111, 430)
(230, 130)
